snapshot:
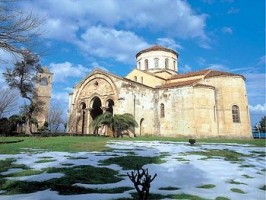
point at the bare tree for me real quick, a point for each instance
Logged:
(22, 77)
(18, 30)
(8, 101)
(55, 118)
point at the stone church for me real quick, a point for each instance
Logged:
(205, 103)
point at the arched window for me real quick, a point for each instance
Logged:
(166, 63)
(162, 110)
(174, 64)
(110, 104)
(146, 64)
(135, 78)
(44, 81)
(141, 80)
(156, 62)
(139, 65)
(235, 114)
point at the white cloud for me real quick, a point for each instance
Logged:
(169, 43)
(227, 30)
(179, 19)
(262, 61)
(65, 70)
(111, 43)
(217, 67)
(186, 68)
(233, 11)
(258, 109)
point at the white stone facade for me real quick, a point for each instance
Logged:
(199, 104)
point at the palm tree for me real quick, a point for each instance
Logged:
(117, 123)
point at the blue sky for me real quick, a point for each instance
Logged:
(227, 35)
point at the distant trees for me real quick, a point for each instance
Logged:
(55, 118)
(117, 123)
(261, 126)
(8, 101)
(18, 31)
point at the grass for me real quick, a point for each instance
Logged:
(236, 182)
(227, 155)
(79, 174)
(131, 162)
(263, 187)
(45, 160)
(61, 143)
(9, 164)
(236, 190)
(169, 188)
(93, 143)
(75, 158)
(161, 196)
(247, 176)
(221, 198)
(207, 186)
(27, 172)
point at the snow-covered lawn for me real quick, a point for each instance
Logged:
(182, 171)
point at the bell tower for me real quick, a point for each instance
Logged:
(44, 89)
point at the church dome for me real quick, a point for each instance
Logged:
(157, 58)
(156, 48)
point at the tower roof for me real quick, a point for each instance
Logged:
(156, 48)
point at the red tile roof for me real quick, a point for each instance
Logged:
(157, 48)
(207, 73)
(179, 84)
(220, 73)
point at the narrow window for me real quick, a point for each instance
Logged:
(141, 79)
(162, 110)
(174, 64)
(146, 64)
(156, 62)
(135, 78)
(166, 63)
(235, 114)
(139, 65)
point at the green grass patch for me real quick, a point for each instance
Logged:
(86, 174)
(45, 160)
(221, 198)
(161, 196)
(247, 166)
(67, 164)
(131, 162)
(93, 143)
(60, 143)
(76, 158)
(80, 174)
(227, 155)
(13, 187)
(207, 186)
(236, 190)
(182, 159)
(169, 188)
(27, 172)
(247, 176)
(235, 182)
(9, 163)
(46, 157)
(263, 187)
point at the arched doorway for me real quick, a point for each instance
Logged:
(109, 104)
(96, 108)
(141, 126)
